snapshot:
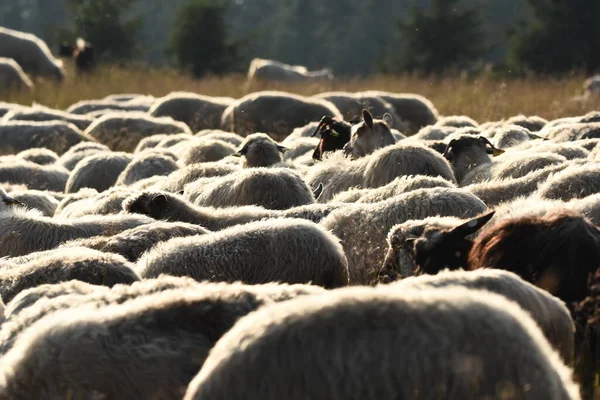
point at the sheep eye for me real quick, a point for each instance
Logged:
(458, 254)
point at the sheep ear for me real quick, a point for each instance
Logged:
(448, 148)
(317, 192)
(324, 121)
(159, 202)
(241, 152)
(316, 156)
(368, 118)
(181, 192)
(388, 119)
(493, 150)
(472, 226)
(282, 149)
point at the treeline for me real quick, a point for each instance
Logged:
(350, 36)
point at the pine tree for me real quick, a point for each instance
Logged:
(449, 36)
(564, 37)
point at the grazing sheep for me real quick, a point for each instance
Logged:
(419, 344)
(122, 132)
(206, 150)
(31, 53)
(170, 207)
(415, 111)
(38, 200)
(217, 134)
(80, 151)
(175, 329)
(99, 171)
(132, 243)
(265, 71)
(284, 250)
(12, 76)
(551, 314)
(34, 176)
(369, 135)
(362, 228)
(572, 183)
(58, 136)
(259, 150)
(532, 123)
(196, 111)
(176, 181)
(39, 113)
(271, 188)
(457, 121)
(25, 231)
(39, 156)
(86, 265)
(145, 166)
(274, 113)
(557, 251)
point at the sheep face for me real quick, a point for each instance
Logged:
(467, 152)
(438, 249)
(151, 204)
(369, 135)
(260, 150)
(7, 202)
(334, 135)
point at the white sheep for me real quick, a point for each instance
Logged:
(12, 76)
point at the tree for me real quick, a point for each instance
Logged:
(107, 25)
(200, 39)
(449, 36)
(564, 37)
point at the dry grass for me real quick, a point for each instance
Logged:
(484, 99)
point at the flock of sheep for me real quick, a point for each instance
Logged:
(339, 246)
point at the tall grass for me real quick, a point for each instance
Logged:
(483, 99)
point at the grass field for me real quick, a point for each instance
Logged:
(484, 99)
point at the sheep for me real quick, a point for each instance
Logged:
(271, 188)
(24, 231)
(122, 132)
(571, 132)
(418, 344)
(78, 152)
(70, 198)
(58, 136)
(572, 183)
(12, 76)
(90, 107)
(369, 135)
(532, 123)
(402, 184)
(83, 264)
(83, 53)
(146, 166)
(175, 329)
(433, 132)
(362, 228)
(40, 113)
(283, 250)
(557, 251)
(196, 111)
(103, 203)
(457, 121)
(415, 111)
(36, 199)
(264, 71)
(35, 176)
(259, 150)
(551, 314)
(206, 150)
(570, 151)
(150, 142)
(39, 156)
(99, 171)
(167, 206)
(469, 158)
(176, 181)
(335, 135)
(217, 134)
(31, 53)
(513, 135)
(337, 173)
(274, 113)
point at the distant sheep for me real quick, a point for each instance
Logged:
(87, 265)
(362, 228)
(272, 188)
(78, 152)
(274, 113)
(25, 231)
(83, 54)
(39, 156)
(176, 181)
(457, 121)
(12, 76)
(145, 166)
(217, 134)
(99, 171)
(58, 136)
(196, 111)
(122, 132)
(99, 107)
(40, 113)
(31, 53)
(572, 183)
(34, 176)
(206, 150)
(297, 251)
(346, 340)
(532, 123)
(550, 313)
(265, 71)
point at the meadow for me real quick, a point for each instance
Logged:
(483, 98)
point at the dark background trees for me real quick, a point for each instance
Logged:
(351, 36)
